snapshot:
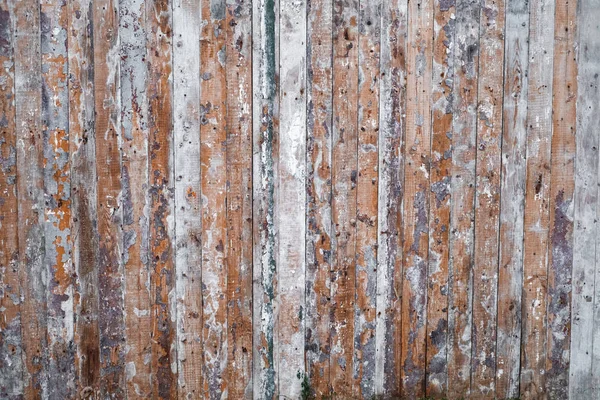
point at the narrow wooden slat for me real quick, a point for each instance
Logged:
(134, 197)
(344, 180)
(487, 208)
(84, 215)
(585, 235)
(391, 193)
(265, 19)
(188, 199)
(161, 186)
(291, 200)
(416, 199)
(560, 257)
(108, 170)
(213, 181)
(461, 240)
(30, 189)
(439, 197)
(11, 365)
(537, 192)
(318, 192)
(238, 371)
(512, 195)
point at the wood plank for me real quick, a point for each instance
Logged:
(537, 201)
(135, 201)
(108, 170)
(238, 370)
(392, 132)
(461, 240)
(291, 201)
(416, 200)
(560, 257)
(512, 198)
(30, 189)
(439, 197)
(344, 180)
(161, 186)
(11, 365)
(318, 191)
(213, 182)
(84, 228)
(188, 213)
(265, 114)
(585, 236)
(487, 200)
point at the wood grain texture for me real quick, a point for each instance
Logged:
(299, 199)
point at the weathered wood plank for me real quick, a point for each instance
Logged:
(394, 20)
(487, 208)
(188, 198)
(108, 170)
(11, 366)
(265, 118)
(585, 235)
(439, 197)
(134, 195)
(560, 257)
(213, 182)
(512, 195)
(416, 199)
(369, 31)
(238, 371)
(344, 180)
(537, 192)
(84, 228)
(318, 191)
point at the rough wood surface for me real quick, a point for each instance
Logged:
(298, 199)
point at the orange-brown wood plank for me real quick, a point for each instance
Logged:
(11, 365)
(318, 191)
(562, 185)
(416, 196)
(213, 141)
(487, 200)
(238, 370)
(439, 197)
(344, 180)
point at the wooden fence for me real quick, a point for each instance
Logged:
(299, 198)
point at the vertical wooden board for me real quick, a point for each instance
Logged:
(108, 170)
(238, 371)
(344, 180)
(581, 378)
(487, 208)
(30, 189)
(161, 186)
(318, 194)
(512, 196)
(537, 192)
(291, 198)
(11, 366)
(188, 198)
(134, 195)
(439, 197)
(213, 182)
(462, 188)
(265, 144)
(416, 199)
(392, 132)
(83, 195)
(367, 196)
(560, 257)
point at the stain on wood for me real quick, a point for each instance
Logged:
(236, 199)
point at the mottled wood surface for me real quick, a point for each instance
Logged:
(295, 199)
